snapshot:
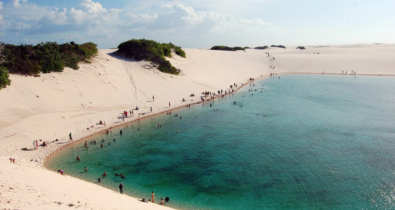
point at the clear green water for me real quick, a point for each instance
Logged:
(304, 142)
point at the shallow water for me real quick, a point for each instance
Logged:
(304, 142)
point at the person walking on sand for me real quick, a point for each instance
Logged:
(36, 144)
(71, 138)
(150, 108)
(169, 104)
(153, 98)
(153, 196)
(121, 188)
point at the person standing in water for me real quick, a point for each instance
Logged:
(121, 188)
(153, 196)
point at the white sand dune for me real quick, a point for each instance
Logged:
(51, 106)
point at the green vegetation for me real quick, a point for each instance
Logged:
(239, 48)
(44, 57)
(261, 47)
(300, 48)
(149, 50)
(221, 47)
(4, 80)
(280, 46)
(226, 48)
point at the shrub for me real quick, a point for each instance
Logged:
(221, 47)
(261, 47)
(45, 57)
(150, 50)
(239, 48)
(280, 46)
(4, 80)
(226, 48)
(300, 48)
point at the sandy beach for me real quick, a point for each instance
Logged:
(53, 105)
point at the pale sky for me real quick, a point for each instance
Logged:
(198, 23)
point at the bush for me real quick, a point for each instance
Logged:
(239, 48)
(150, 50)
(280, 46)
(300, 48)
(45, 57)
(226, 48)
(4, 80)
(261, 47)
(221, 47)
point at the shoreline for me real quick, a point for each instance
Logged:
(103, 129)
(44, 164)
(135, 120)
(199, 102)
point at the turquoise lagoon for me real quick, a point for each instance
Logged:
(299, 142)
